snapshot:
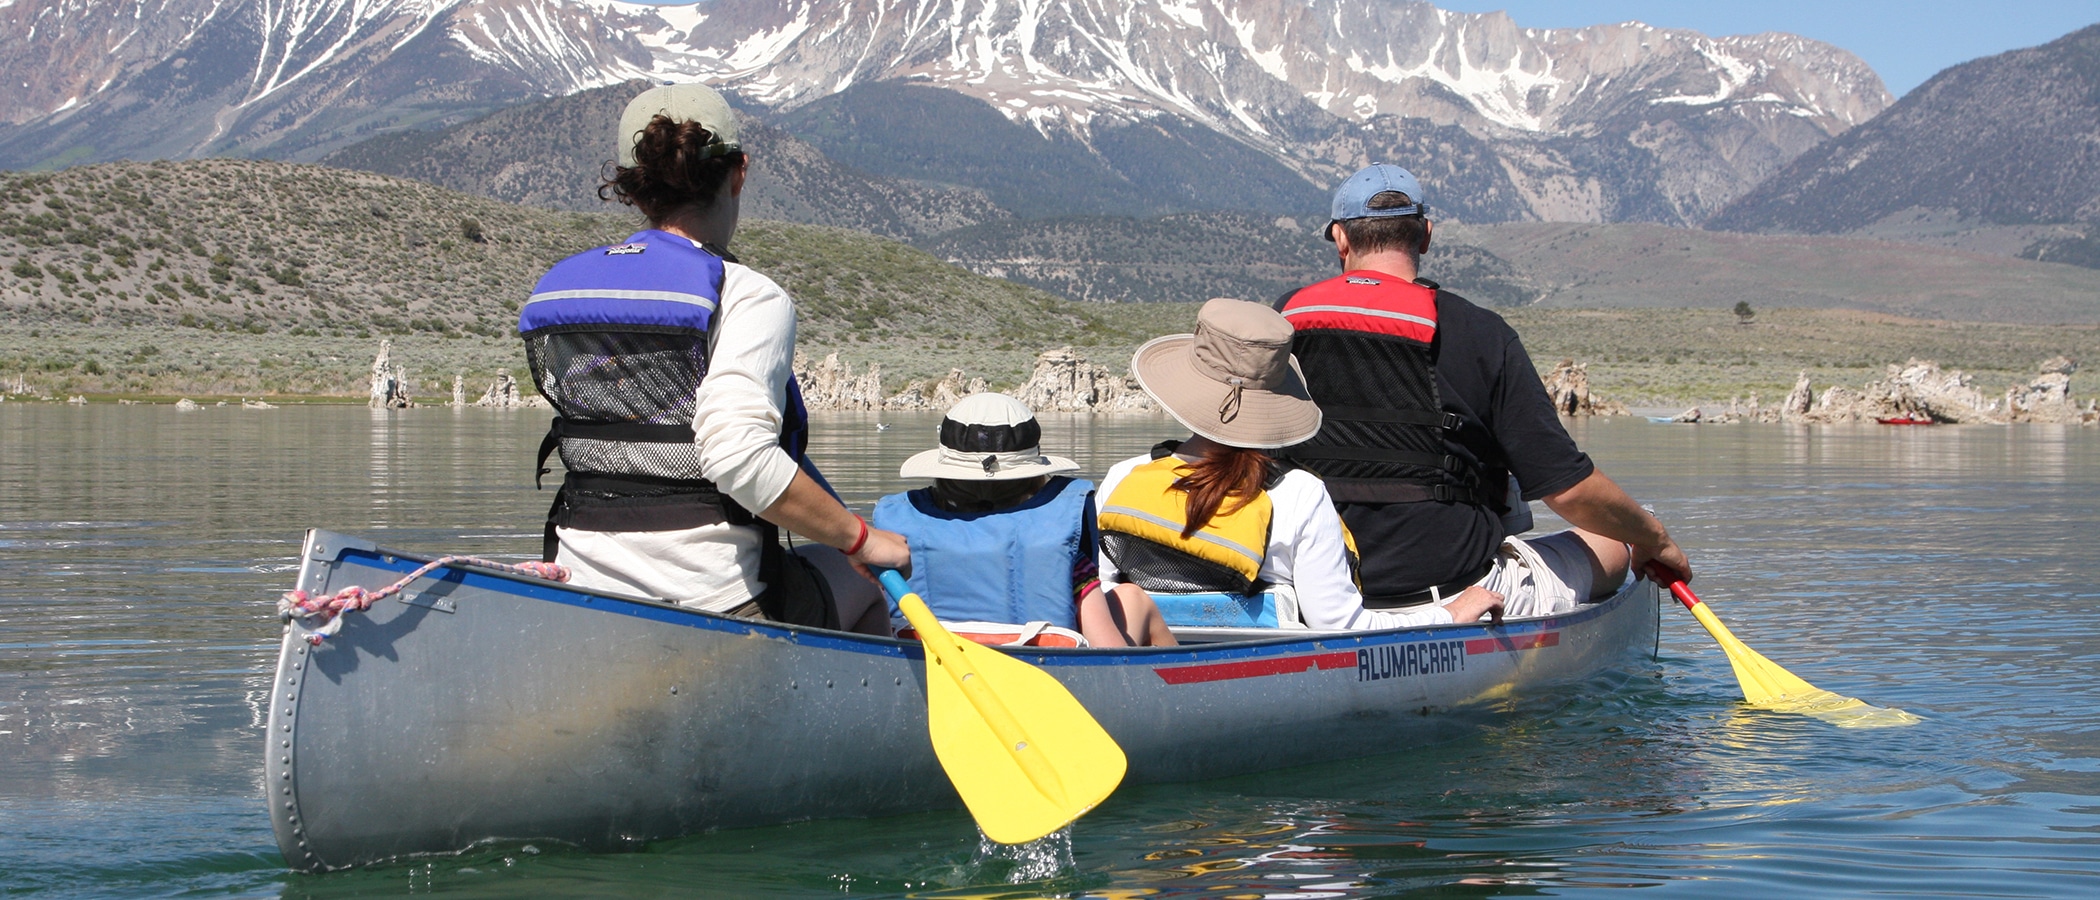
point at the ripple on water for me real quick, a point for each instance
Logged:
(1948, 573)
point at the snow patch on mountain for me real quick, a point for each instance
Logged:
(1259, 72)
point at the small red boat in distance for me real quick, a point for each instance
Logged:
(1905, 420)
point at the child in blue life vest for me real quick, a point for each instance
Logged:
(1006, 537)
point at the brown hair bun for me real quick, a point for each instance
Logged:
(677, 164)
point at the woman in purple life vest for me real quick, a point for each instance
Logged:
(680, 426)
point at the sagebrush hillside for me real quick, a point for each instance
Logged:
(267, 247)
(1651, 266)
(1191, 257)
(228, 277)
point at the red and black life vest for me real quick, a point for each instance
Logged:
(1368, 344)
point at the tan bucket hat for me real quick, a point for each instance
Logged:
(1233, 381)
(988, 437)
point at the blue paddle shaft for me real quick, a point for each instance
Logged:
(893, 584)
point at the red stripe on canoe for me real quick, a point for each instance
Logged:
(1256, 668)
(1500, 644)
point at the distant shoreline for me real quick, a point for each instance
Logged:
(1646, 359)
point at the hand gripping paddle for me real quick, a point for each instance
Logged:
(1025, 756)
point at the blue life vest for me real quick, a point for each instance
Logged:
(654, 279)
(1257, 610)
(617, 341)
(1014, 565)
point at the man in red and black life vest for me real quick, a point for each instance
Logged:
(1432, 411)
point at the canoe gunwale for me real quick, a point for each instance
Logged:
(1283, 642)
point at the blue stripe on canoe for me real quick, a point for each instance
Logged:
(879, 646)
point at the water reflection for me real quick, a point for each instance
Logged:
(1944, 570)
(381, 463)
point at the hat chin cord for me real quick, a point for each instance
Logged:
(1230, 408)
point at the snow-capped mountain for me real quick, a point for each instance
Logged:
(1610, 121)
(103, 79)
(1253, 65)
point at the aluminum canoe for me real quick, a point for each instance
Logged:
(477, 706)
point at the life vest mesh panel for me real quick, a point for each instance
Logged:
(654, 460)
(1368, 371)
(625, 377)
(1162, 569)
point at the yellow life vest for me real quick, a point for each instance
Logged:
(1141, 524)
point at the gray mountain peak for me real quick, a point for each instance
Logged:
(1607, 122)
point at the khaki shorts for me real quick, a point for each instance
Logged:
(1541, 576)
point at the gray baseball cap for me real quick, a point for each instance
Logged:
(1352, 199)
(681, 103)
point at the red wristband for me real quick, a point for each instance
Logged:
(861, 541)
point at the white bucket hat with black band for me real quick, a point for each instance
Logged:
(1233, 381)
(988, 437)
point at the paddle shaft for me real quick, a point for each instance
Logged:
(943, 650)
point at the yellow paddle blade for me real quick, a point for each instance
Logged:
(1763, 681)
(1768, 686)
(1025, 756)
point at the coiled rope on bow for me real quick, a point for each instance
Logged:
(298, 604)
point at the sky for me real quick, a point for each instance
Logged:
(1906, 41)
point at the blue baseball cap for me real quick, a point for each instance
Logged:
(1352, 199)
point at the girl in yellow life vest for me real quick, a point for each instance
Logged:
(1215, 513)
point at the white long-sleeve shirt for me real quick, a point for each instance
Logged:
(737, 417)
(1306, 551)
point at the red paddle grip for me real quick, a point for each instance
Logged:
(1661, 574)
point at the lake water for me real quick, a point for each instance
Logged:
(1947, 571)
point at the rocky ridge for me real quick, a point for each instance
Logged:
(1062, 380)
(2007, 139)
(1920, 390)
(390, 382)
(1568, 384)
(1604, 123)
(1601, 123)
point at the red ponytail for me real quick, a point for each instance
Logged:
(1235, 473)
